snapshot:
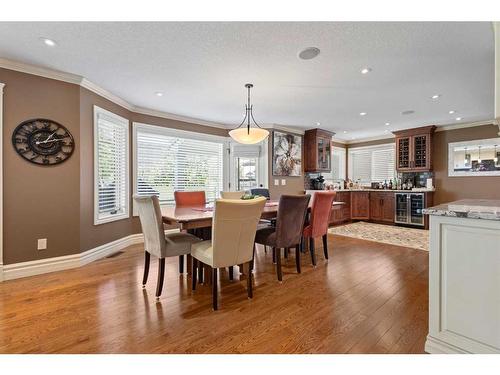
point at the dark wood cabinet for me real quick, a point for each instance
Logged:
(360, 205)
(343, 213)
(414, 149)
(317, 150)
(382, 206)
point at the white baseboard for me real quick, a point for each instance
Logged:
(435, 346)
(38, 267)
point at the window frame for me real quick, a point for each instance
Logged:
(343, 151)
(352, 150)
(172, 132)
(123, 122)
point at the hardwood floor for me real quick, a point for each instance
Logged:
(368, 298)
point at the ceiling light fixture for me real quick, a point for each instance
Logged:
(451, 112)
(249, 135)
(309, 53)
(458, 118)
(318, 124)
(387, 123)
(366, 70)
(436, 96)
(345, 131)
(48, 42)
(158, 93)
(362, 113)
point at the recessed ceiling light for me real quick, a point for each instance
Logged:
(158, 93)
(451, 112)
(387, 123)
(309, 53)
(458, 118)
(436, 96)
(362, 113)
(318, 123)
(408, 112)
(386, 131)
(366, 70)
(48, 42)
(345, 131)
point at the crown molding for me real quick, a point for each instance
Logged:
(284, 128)
(85, 83)
(442, 128)
(368, 139)
(171, 116)
(40, 71)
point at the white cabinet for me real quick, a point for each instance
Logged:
(464, 285)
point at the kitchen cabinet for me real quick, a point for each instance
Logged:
(414, 149)
(343, 213)
(382, 206)
(317, 150)
(360, 205)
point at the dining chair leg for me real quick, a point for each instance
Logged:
(274, 255)
(194, 263)
(241, 268)
(252, 262)
(278, 264)
(311, 250)
(200, 272)
(249, 281)
(161, 276)
(265, 249)
(214, 288)
(181, 264)
(147, 259)
(286, 252)
(231, 273)
(297, 258)
(325, 245)
(302, 244)
(189, 267)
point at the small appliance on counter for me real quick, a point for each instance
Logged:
(318, 183)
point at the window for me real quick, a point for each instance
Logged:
(249, 164)
(372, 163)
(338, 164)
(166, 160)
(111, 167)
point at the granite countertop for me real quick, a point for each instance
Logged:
(380, 190)
(487, 209)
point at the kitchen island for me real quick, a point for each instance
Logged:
(464, 277)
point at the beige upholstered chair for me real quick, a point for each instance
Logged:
(155, 240)
(231, 194)
(233, 234)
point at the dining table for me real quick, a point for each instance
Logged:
(194, 217)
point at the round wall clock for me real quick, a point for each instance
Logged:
(43, 142)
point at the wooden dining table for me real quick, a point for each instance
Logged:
(194, 217)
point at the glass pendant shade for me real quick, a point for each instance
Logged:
(244, 136)
(249, 133)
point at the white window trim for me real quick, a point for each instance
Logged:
(121, 121)
(344, 151)
(160, 130)
(1, 180)
(262, 165)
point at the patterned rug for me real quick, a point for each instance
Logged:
(392, 235)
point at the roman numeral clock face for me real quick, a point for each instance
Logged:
(43, 142)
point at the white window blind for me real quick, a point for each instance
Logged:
(166, 163)
(338, 164)
(372, 164)
(111, 172)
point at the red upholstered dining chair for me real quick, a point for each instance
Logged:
(318, 224)
(186, 199)
(189, 198)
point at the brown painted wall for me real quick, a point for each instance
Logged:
(452, 188)
(39, 202)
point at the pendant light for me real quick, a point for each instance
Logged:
(249, 134)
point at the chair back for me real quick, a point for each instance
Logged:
(232, 194)
(262, 192)
(320, 212)
(189, 198)
(233, 230)
(152, 225)
(292, 211)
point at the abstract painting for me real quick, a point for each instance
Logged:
(287, 154)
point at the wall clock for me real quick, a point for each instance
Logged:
(43, 142)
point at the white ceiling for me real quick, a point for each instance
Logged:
(201, 69)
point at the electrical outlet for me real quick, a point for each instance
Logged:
(42, 244)
(283, 182)
(276, 182)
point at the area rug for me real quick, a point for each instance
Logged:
(389, 234)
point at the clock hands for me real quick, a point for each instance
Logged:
(49, 140)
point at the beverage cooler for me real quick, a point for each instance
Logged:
(409, 208)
